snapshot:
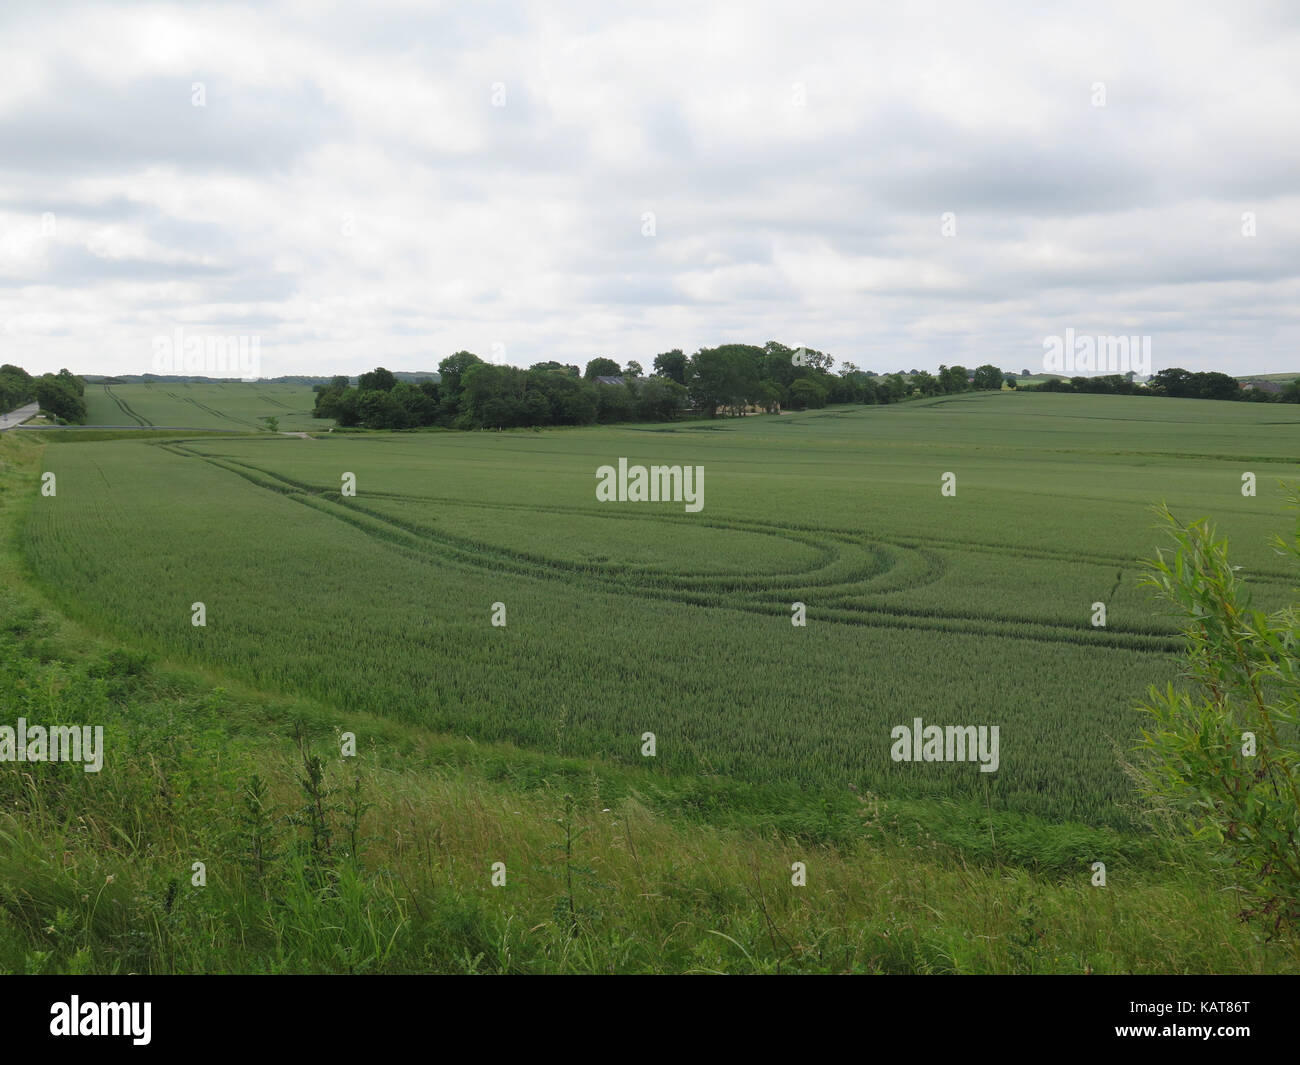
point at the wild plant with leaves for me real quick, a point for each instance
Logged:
(257, 831)
(1225, 753)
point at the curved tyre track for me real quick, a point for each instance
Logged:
(849, 565)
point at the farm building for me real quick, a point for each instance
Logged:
(750, 408)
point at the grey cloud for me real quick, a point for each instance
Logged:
(89, 126)
(531, 214)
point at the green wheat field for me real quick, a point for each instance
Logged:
(230, 405)
(373, 614)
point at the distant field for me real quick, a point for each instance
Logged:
(626, 618)
(232, 405)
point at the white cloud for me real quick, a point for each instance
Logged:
(351, 194)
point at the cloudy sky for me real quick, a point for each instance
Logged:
(386, 183)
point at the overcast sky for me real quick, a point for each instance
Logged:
(389, 183)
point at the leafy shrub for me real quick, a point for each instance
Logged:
(1224, 754)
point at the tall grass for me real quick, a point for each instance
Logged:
(383, 864)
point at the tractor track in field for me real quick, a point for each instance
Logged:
(868, 560)
(220, 414)
(125, 408)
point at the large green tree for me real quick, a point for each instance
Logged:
(377, 380)
(601, 367)
(16, 387)
(451, 369)
(56, 396)
(726, 376)
(659, 399)
(1173, 381)
(493, 396)
(671, 364)
(925, 383)
(807, 392)
(953, 379)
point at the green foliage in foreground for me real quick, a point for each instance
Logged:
(382, 863)
(1226, 754)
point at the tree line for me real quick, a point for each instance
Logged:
(731, 379)
(1174, 382)
(61, 394)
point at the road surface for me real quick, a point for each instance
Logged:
(143, 428)
(8, 421)
(11, 420)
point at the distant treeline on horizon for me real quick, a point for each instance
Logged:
(468, 393)
(731, 379)
(198, 379)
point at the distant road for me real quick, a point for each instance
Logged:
(140, 428)
(12, 420)
(8, 421)
(149, 428)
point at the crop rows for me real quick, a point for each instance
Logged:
(636, 618)
(237, 405)
(121, 405)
